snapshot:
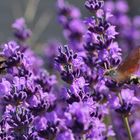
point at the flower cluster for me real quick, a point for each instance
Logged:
(87, 80)
(129, 28)
(26, 90)
(21, 31)
(39, 106)
(70, 19)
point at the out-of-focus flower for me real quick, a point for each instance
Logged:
(21, 31)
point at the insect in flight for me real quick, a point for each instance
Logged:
(2, 64)
(129, 66)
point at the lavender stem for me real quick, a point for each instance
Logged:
(125, 120)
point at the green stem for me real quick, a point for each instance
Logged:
(40, 26)
(31, 10)
(125, 120)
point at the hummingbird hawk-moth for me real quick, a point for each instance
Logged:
(129, 66)
(2, 64)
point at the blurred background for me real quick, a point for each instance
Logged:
(41, 17)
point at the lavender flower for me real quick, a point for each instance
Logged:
(21, 31)
(128, 101)
(19, 122)
(93, 5)
(128, 31)
(69, 17)
(38, 106)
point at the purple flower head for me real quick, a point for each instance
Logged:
(12, 56)
(109, 5)
(65, 135)
(114, 49)
(4, 128)
(31, 61)
(40, 106)
(98, 130)
(40, 123)
(101, 92)
(21, 31)
(78, 62)
(33, 101)
(19, 122)
(110, 131)
(111, 32)
(30, 85)
(91, 41)
(5, 87)
(122, 6)
(65, 55)
(78, 117)
(75, 30)
(10, 49)
(45, 80)
(65, 62)
(72, 96)
(93, 5)
(136, 21)
(128, 101)
(78, 84)
(19, 82)
(128, 30)
(47, 126)
(115, 53)
(107, 15)
(15, 98)
(128, 95)
(67, 12)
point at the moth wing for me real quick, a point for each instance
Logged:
(131, 63)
